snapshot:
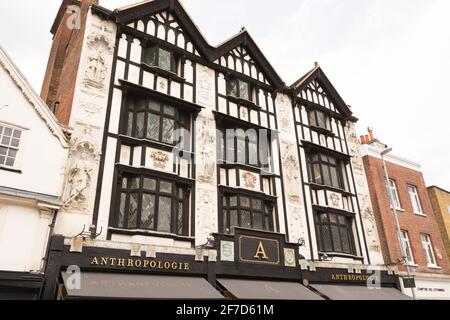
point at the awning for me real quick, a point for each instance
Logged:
(267, 290)
(134, 286)
(344, 292)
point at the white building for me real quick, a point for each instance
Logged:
(33, 154)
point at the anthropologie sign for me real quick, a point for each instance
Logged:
(140, 263)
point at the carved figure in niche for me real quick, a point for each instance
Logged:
(291, 167)
(80, 177)
(207, 162)
(95, 73)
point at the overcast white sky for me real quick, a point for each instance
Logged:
(389, 59)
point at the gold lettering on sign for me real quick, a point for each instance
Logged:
(261, 252)
(147, 264)
(349, 277)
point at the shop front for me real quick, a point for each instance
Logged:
(248, 265)
(428, 286)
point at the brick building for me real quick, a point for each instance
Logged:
(440, 201)
(425, 251)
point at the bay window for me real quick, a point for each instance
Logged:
(319, 119)
(250, 147)
(239, 89)
(334, 233)
(158, 57)
(152, 203)
(246, 211)
(326, 170)
(153, 120)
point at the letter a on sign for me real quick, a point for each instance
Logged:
(261, 252)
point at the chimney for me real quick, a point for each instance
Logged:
(362, 139)
(64, 59)
(371, 135)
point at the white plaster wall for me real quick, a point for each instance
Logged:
(22, 237)
(206, 215)
(41, 156)
(293, 194)
(369, 227)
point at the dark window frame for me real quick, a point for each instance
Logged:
(174, 60)
(180, 119)
(239, 95)
(344, 229)
(315, 123)
(327, 165)
(179, 195)
(267, 212)
(224, 153)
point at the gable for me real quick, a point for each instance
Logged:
(165, 20)
(20, 95)
(240, 60)
(163, 25)
(315, 88)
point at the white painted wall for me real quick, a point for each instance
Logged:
(41, 155)
(24, 227)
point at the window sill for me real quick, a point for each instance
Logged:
(227, 164)
(323, 131)
(141, 232)
(434, 267)
(342, 255)
(420, 215)
(398, 209)
(244, 102)
(152, 143)
(412, 265)
(316, 186)
(4, 168)
(163, 72)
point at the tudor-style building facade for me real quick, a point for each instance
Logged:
(193, 159)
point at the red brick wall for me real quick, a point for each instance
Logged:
(414, 224)
(63, 63)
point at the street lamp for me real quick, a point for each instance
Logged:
(394, 210)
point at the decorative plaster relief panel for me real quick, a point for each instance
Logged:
(367, 213)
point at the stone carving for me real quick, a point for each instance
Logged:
(370, 228)
(95, 38)
(84, 157)
(96, 70)
(206, 214)
(160, 159)
(205, 86)
(80, 177)
(249, 180)
(296, 226)
(206, 164)
(100, 45)
(90, 107)
(335, 199)
(292, 169)
(162, 84)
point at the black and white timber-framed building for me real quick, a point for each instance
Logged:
(193, 160)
